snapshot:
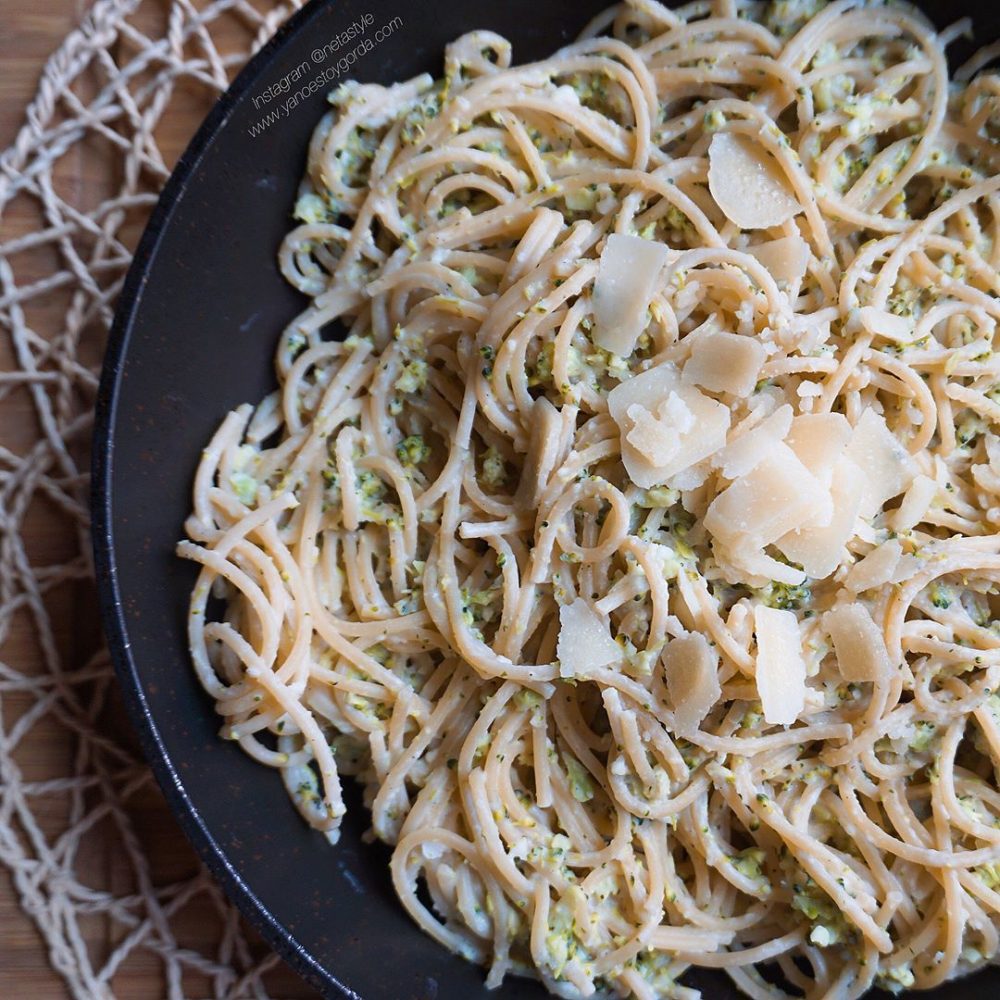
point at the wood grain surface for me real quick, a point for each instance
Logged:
(30, 30)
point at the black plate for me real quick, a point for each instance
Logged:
(195, 333)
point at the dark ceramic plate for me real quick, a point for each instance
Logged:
(195, 335)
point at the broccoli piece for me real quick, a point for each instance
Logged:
(784, 596)
(244, 486)
(413, 450)
(580, 785)
(494, 471)
(413, 377)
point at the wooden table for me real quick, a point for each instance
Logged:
(29, 32)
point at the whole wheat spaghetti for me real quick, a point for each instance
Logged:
(637, 549)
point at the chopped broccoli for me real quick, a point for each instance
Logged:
(413, 450)
(311, 209)
(412, 378)
(244, 486)
(924, 736)
(494, 471)
(990, 874)
(820, 910)
(580, 785)
(896, 979)
(784, 596)
(940, 595)
(657, 497)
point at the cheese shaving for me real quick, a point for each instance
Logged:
(626, 282)
(889, 326)
(666, 426)
(916, 502)
(786, 258)
(747, 183)
(725, 362)
(888, 468)
(745, 453)
(877, 568)
(780, 665)
(820, 548)
(691, 669)
(584, 643)
(818, 441)
(777, 496)
(858, 643)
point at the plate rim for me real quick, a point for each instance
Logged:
(111, 606)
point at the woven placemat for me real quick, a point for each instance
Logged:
(97, 865)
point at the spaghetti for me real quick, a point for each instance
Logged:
(637, 549)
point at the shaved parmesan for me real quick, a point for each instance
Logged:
(819, 548)
(691, 668)
(585, 642)
(543, 452)
(666, 426)
(781, 667)
(887, 466)
(858, 643)
(755, 567)
(692, 478)
(887, 325)
(819, 439)
(658, 437)
(777, 496)
(746, 452)
(725, 362)
(878, 567)
(786, 259)
(626, 282)
(916, 502)
(747, 183)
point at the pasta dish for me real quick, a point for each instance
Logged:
(626, 518)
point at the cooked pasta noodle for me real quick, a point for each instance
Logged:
(637, 546)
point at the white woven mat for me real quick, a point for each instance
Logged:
(79, 817)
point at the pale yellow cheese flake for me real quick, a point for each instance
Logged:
(819, 548)
(888, 468)
(747, 452)
(887, 325)
(725, 362)
(785, 259)
(916, 502)
(626, 282)
(747, 183)
(858, 643)
(877, 568)
(691, 669)
(666, 426)
(543, 451)
(658, 436)
(585, 642)
(777, 496)
(781, 667)
(819, 439)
